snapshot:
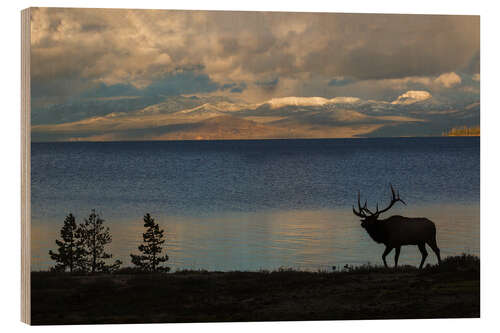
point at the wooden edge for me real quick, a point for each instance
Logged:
(25, 166)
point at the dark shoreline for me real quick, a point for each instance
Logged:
(265, 139)
(448, 291)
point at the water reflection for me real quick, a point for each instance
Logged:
(303, 239)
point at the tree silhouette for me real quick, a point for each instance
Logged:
(96, 237)
(70, 253)
(151, 248)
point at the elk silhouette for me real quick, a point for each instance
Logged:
(397, 231)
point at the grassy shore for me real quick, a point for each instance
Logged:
(448, 291)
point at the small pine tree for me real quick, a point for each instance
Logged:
(96, 237)
(151, 249)
(70, 253)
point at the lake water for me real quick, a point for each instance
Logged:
(264, 204)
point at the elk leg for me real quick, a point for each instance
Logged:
(386, 252)
(436, 250)
(396, 257)
(422, 249)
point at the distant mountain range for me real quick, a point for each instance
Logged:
(414, 113)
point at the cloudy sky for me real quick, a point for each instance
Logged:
(146, 74)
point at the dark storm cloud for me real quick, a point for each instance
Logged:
(234, 87)
(137, 47)
(102, 90)
(341, 81)
(181, 83)
(237, 90)
(268, 83)
(473, 67)
(397, 46)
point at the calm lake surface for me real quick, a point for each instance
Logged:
(264, 204)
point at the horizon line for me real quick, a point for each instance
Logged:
(264, 139)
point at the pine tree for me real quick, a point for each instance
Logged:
(96, 237)
(70, 253)
(151, 259)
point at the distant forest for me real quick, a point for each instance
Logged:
(463, 131)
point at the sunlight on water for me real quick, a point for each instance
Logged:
(268, 240)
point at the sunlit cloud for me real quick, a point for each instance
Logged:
(448, 80)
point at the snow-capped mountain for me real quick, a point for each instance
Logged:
(190, 117)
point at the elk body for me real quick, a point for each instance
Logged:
(397, 231)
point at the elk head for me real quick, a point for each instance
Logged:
(368, 218)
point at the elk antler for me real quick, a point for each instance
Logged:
(395, 198)
(361, 210)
